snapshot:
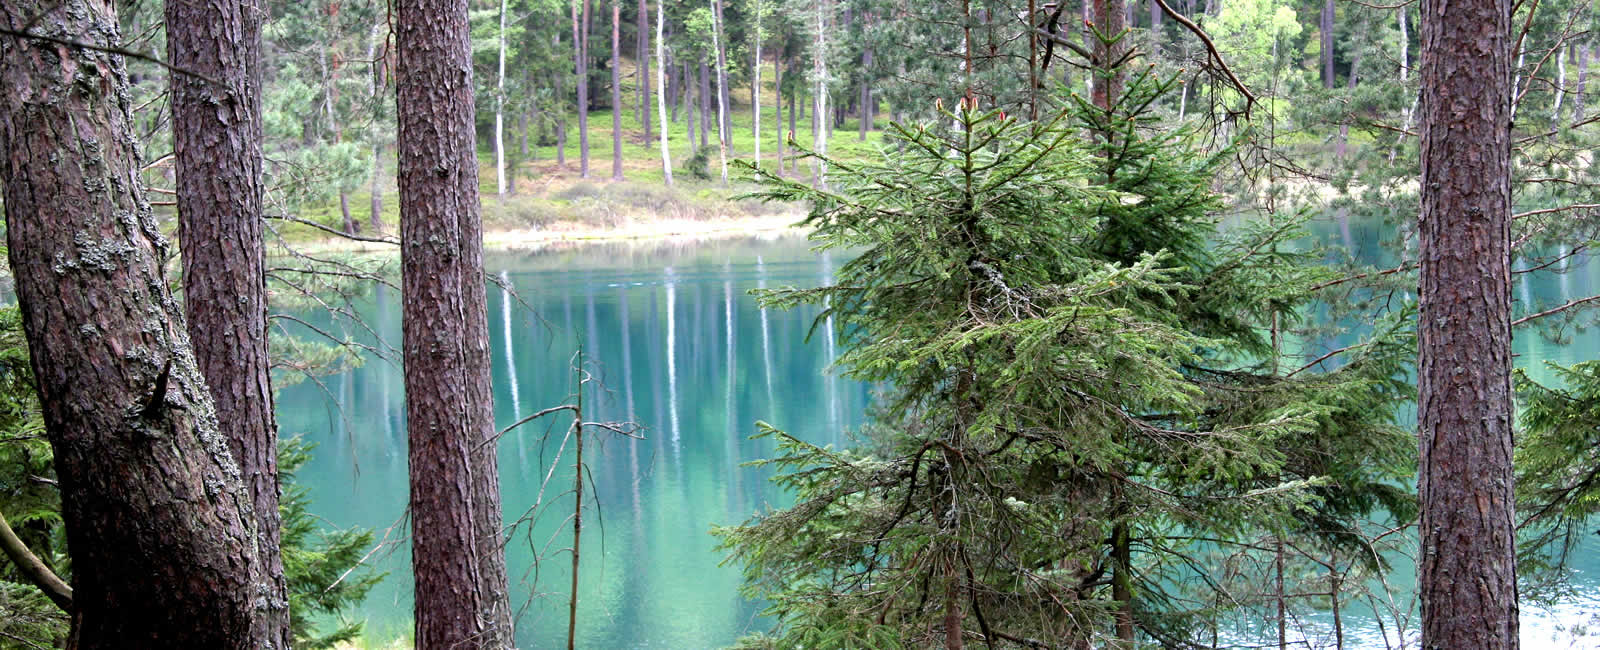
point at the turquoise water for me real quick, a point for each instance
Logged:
(682, 349)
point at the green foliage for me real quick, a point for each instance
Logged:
(28, 498)
(322, 567)
(1558, 469)
(1088, 400)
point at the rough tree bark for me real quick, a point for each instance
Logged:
(216, 136)
(457, 555)
(1109, 19)
(1467, 570)
(160, 524)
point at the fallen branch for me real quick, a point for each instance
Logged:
(34, 568)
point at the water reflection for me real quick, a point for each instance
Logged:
(676, 337)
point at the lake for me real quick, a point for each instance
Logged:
(679, 346)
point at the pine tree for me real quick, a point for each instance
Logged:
(1083, 390)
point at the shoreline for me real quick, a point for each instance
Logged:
(569, 233)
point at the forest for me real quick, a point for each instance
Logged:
(769, 324)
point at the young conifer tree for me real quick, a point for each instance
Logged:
(1078, 392)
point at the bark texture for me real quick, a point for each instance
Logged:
(457, 555)
(1467, 572)
(1110, 19)
(216, 136)
(159, 523)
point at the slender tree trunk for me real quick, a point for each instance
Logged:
(1561, 82)
(561, 126)
(777, 104)
(458, 559)
(375, 218)
(160, 524)
(705, 102)
(1327, 44)
(674, 83)
(1340, 148)
(216, 135)
(500, 110)
(755, 84)
(722, 88)
(661, 96)
(794, 166)
(377, 83)
(1109, 16)
(642, 55)
(561, 113)
(1033, 58)
(865, 107)
(688, 111)
(580, 57)
(616, 90)
(724, 100)
(522, 137)
(1467, 570)
(1582, 85)
(1122, 584)
(34, 569)
(819, 130)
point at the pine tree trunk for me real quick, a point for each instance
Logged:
(688, 111)
(819, 119)
(522, 139)
(561, 127)
(705, 101)
(864, 104)
(375, 218)
(1342, 145)
(1327, 44)
(1467, 570)
(350, 226)
(777, 104)
(1582, 83)
(755, 85)
(500, 110)
(724, 100)
(160, 524)
(580, 57)
(722, 88)
(462, 598)
(1109, 15)
(674, 83)
(377, 83)
(1561, 83)
(217, 135)
(661, 95)
(616, 90)
(642, 55)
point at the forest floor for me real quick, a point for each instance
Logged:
(556, 202)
